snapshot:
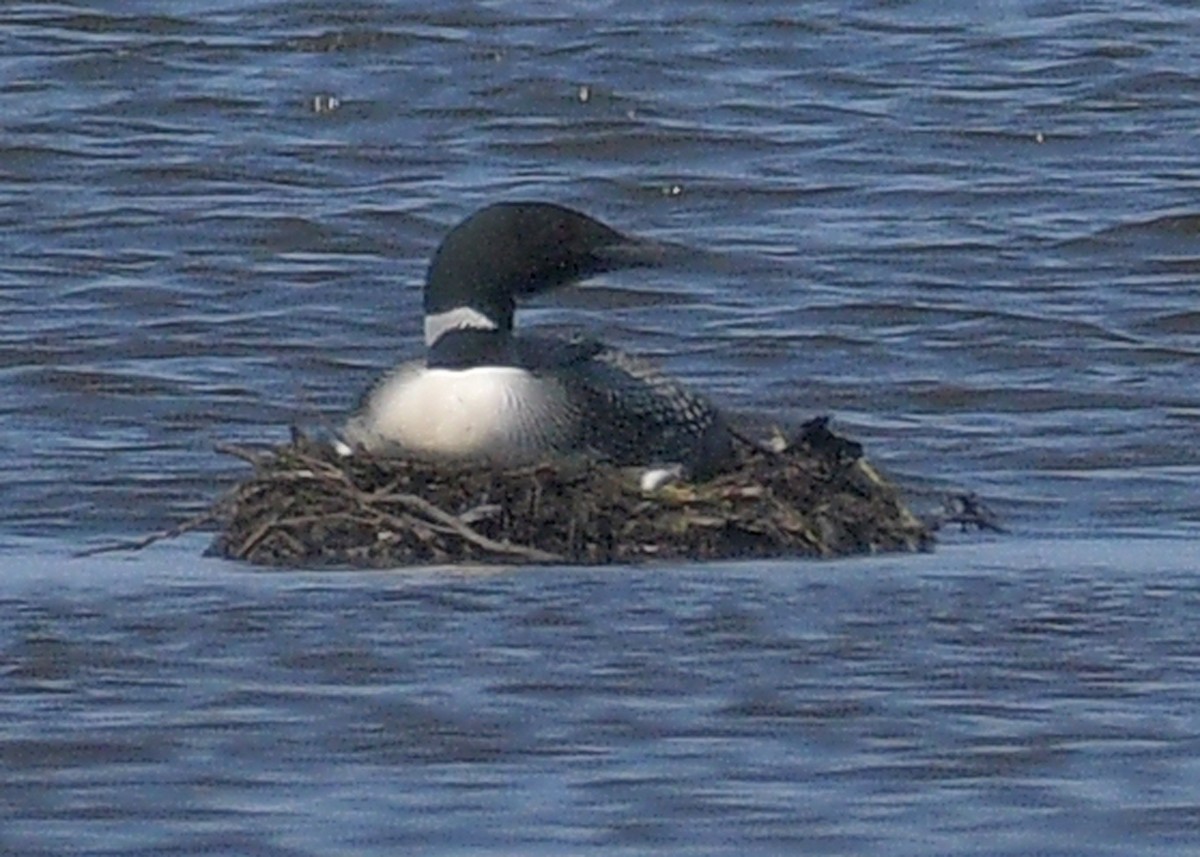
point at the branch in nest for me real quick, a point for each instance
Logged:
(456, 524)
(324, 470)
(208, 516)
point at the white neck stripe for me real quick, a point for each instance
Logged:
(459, 318)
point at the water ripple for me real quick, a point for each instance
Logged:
(972, 227)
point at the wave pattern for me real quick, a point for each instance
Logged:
(971, 236)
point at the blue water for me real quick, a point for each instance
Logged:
(968, 231)
(979, 700)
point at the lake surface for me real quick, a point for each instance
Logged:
(969, 231)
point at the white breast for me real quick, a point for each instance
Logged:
(496, 412)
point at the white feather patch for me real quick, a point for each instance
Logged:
(495, 412)
(459, 318)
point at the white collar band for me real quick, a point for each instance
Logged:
(459, 318)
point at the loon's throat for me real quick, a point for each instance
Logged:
(467, 348)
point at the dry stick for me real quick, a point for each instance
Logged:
(205, 517)
(244, 453)
(424, 507)
(434, 513)
(455, 523)
(260, 533)
(380, 517)
(293, 543)
(319, 464)
(210, 515)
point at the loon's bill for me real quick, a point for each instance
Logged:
(484, 392)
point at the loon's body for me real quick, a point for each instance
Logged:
(486, 393)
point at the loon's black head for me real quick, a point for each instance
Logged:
(512, 250)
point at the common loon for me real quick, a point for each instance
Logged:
(484, 392)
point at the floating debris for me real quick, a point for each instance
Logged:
(325, 103)
(968, 510)
(306, 505)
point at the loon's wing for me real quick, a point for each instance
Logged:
(635, 415)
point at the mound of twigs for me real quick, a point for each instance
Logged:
(307, 506)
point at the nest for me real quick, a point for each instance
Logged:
(306, 505)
